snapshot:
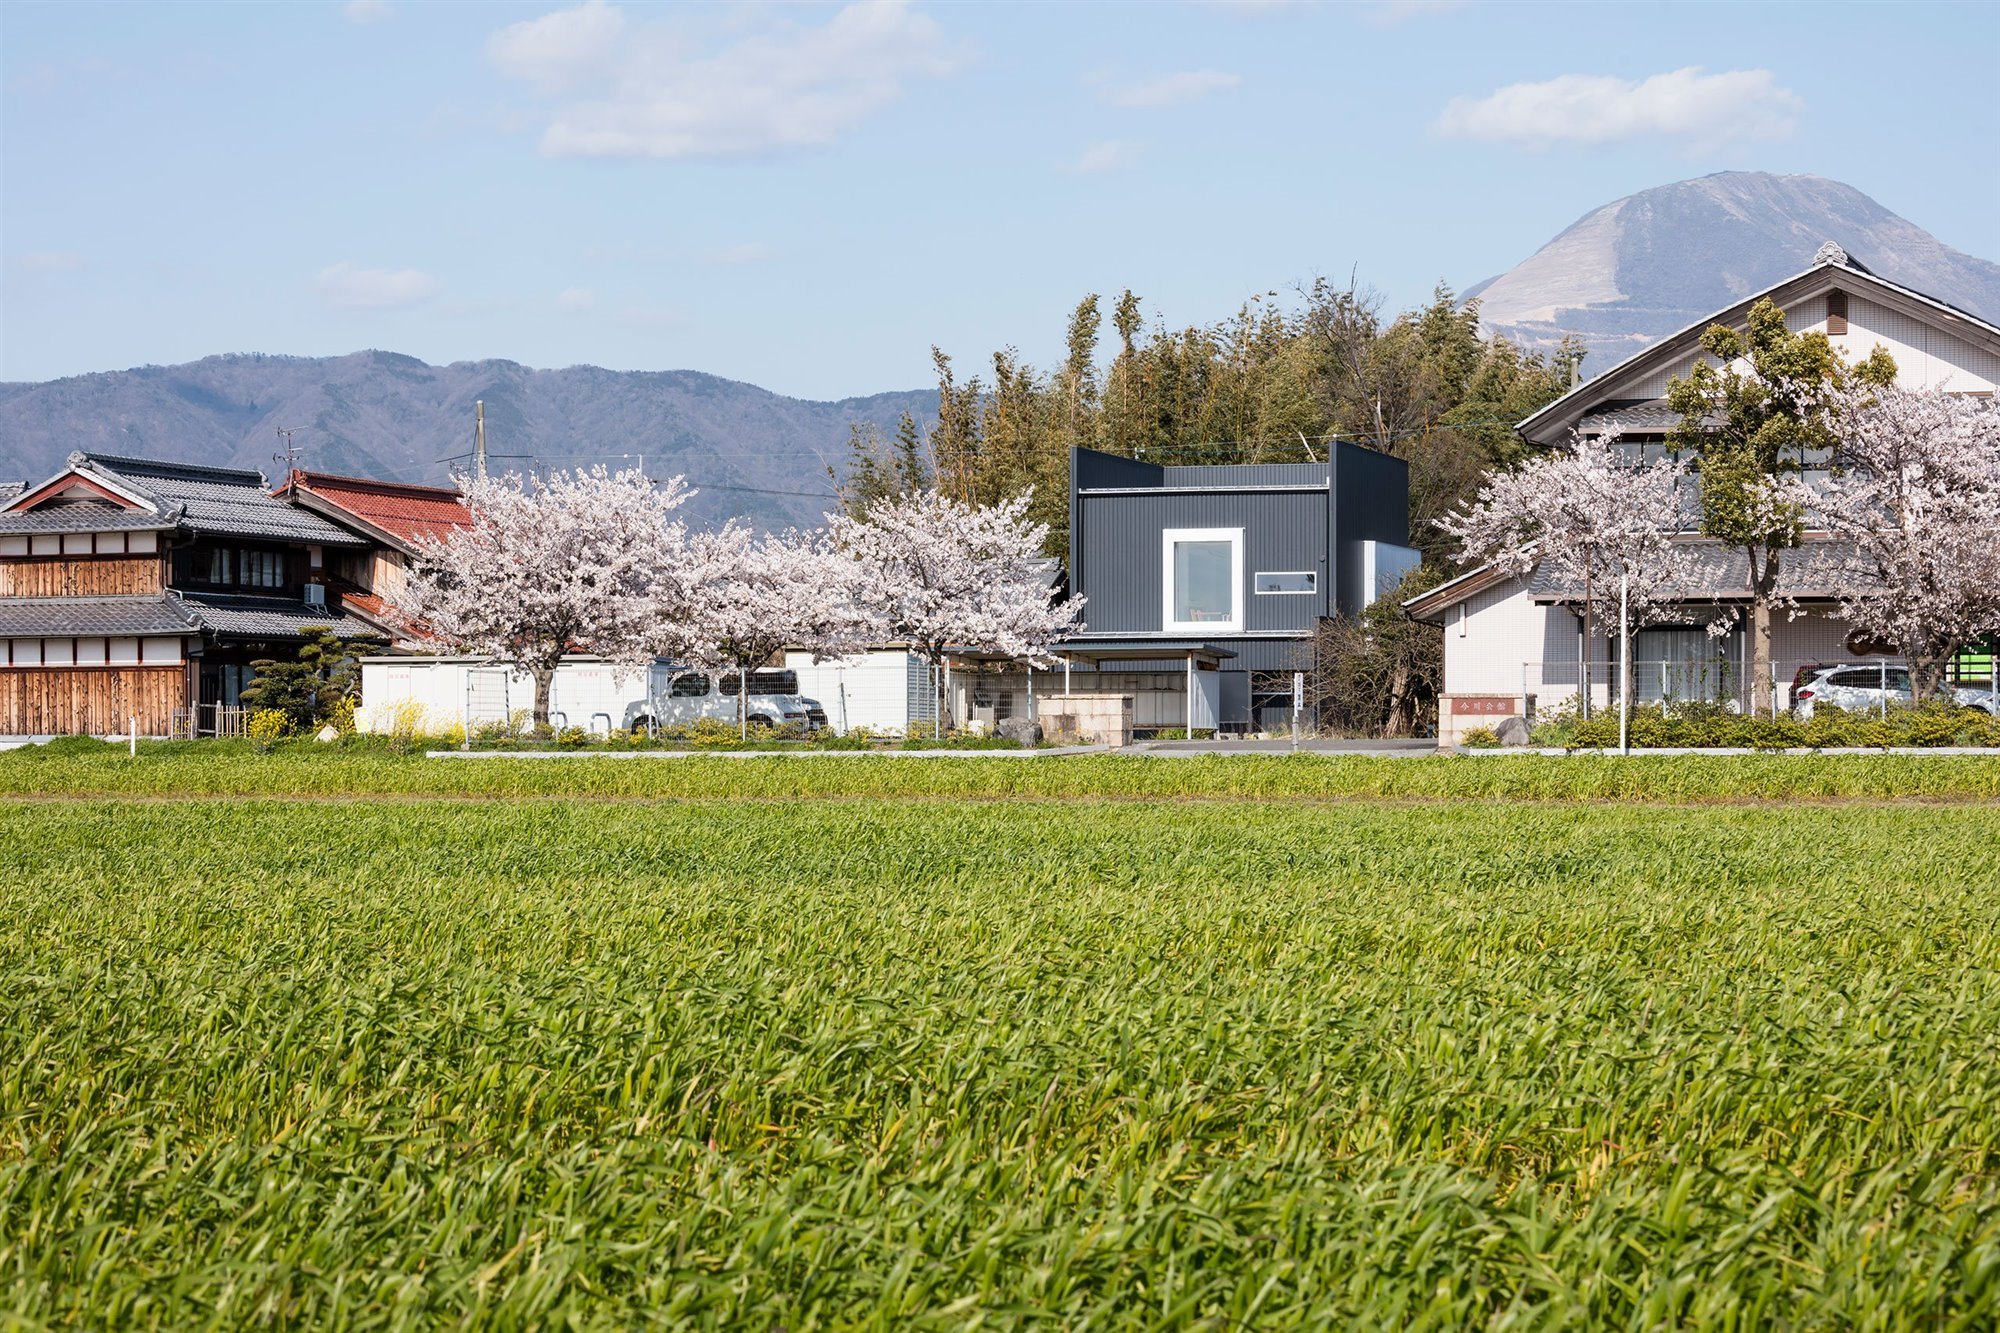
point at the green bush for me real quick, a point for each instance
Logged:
(960, 740)
(1480, 738)
(860, 738)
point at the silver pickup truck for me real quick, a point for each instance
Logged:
(678, 695)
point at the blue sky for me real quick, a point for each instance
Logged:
(808, 196)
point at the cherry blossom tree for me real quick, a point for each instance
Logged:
(941, 574)
(1914, 491)
(758, 595)
(565, 563)
(1601, 519)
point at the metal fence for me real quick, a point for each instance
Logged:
(1719, 682)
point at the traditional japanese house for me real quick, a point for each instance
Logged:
(396, 518)
(137, 592)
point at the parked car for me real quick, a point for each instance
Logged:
(1865, 687)
(677, 695)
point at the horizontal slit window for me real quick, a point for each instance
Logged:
(1287, 582)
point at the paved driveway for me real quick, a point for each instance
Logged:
(1423, 745)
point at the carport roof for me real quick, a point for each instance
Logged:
(1139, 650)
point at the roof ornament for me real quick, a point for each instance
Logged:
(1831, 253)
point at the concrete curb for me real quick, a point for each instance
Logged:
(1054, 752)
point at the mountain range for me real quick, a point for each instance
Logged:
(748, 451)
(1646, 265)
(1620, 277)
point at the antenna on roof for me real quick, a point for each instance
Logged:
(290, 456)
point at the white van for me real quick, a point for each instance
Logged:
(678, 695)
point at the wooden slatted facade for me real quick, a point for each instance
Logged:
(90, 700)
(82, 576)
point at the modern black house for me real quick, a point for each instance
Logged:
(1221, 574)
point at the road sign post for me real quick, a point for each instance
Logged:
(1298, 704)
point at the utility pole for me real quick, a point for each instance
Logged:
(479, 438)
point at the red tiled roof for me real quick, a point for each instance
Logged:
(402, 510)
(378, 610)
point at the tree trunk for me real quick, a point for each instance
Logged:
(1399, 701)
(545, 686)
(1763, 584)
(1927, 676)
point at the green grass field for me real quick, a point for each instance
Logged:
(793, 1044)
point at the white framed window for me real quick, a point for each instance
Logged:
(1285, 583)
(1203, 579)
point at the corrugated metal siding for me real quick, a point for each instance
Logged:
(1089, 469)
(1118, 553)
(1247, 474)
(1372, 504)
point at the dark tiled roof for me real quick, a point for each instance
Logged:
(57, 616)
(272, 617)
(83, 518)
(1654, 418)
(1717, 572)
(224, 502)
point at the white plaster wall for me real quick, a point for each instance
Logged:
(1488, 636)
(1926, 357)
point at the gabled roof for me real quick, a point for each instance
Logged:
(395, 513)
(1832, 269)
(214, 501)
(1430, 607)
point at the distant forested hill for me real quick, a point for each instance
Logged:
(384, 415)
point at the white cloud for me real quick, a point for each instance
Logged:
(1704, 109)
(575, 298)
(749, 252)
(346, 287)
(559, 51)
(657, 90)
(50, 261)
(365, 11)
(1104, 155)
(1172, 89)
